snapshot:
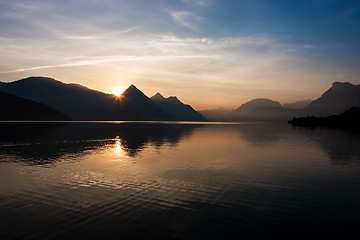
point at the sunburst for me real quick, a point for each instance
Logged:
(117, 91)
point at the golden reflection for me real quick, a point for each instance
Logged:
(117, 147)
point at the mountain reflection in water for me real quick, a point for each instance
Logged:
(43, 143)
(178, 181)
(47, 142)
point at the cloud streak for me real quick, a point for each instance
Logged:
(102, 35)
(109, 59)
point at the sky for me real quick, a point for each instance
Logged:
(208, 53)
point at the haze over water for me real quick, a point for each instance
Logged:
(178, 181)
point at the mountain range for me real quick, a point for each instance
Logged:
(65, 101)
(177, 109)
(81, 103)
(337, 99)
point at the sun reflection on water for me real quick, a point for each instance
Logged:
(118, 149)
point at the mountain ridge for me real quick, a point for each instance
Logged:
(335, 100)
(16, 108)
(338, 98)
(177, 109)
(82, 103)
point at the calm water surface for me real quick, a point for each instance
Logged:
(178, 181)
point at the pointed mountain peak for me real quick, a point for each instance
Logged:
(131, 89)
(158, 96)
(132, 92)
(132, 86)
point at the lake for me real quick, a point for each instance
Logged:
(123, 180)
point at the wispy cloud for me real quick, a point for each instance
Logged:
(101, 35)
(221, 57)
(186, 19)
(108, 59)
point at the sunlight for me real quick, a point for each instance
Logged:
(117, 148)
(117, 91)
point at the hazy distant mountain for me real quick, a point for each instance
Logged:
(17, 108)
(340, 97)
(260, 109)
(216, 115)
(81, 103)
(301, 104)
(337, 99)
(249, 106)
(177, 109)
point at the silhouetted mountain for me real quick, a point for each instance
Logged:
(350, 119)
(135, 105)
(301, 104)
(17, 108)
(81, 103)
(180, 111)
(337, 99)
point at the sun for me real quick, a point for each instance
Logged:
(117, 91)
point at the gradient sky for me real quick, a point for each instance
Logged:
(209, 53)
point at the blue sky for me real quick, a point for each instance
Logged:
(210, 53)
